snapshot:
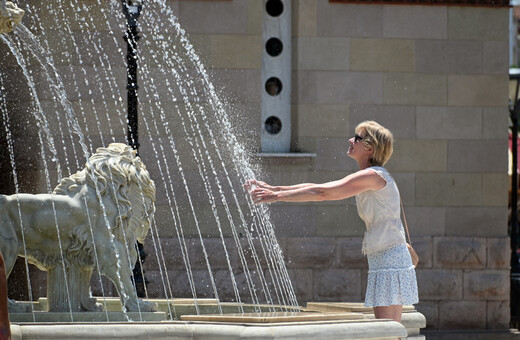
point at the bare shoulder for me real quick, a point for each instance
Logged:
(371, 178)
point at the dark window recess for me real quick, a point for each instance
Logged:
(274, 47)
(274, 7)
(273, 86)
(273, 125)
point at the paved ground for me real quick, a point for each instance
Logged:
(471, 335)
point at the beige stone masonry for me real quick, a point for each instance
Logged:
(399, 119)
(349, 253)
(339, 220)
(332, 119)
(477, 23)
(387, 55)
(448, 189)
(236, 51)
(499, 253)
(312, 53)
(498, 315)
(449, 56)
(415, 22)
(440, 284)
(461, 314)
(494, 185)
(410, 155)
(468, 156)
(305, 12)
(459, 252)
(449, 122)
(327, 87)
(478, 221)
(486, 285)
(476, 90)
(494, 122)
(337, 285)
(349, 20)
(310, 252)
(495, 57)
(414, 89)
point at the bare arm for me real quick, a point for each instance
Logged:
(250, 184)
(349, 186)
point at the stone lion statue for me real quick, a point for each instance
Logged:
(10, 15)
(91, 221)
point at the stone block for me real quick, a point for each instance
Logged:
(419, 155)
(382, 55)
(429, 22)
(495, 57)
(426, 221)
(334, 220)
(337, 285)
(302, 282)
(459, 252)
(462, 314)
(218, 251)
(441, 122)
(405, 183)
(415, 89)
(349, 20)
(322, 53)
(494, 122)
(424, 248)
(476, 221)
(236, 51)
(475, 90)
(238, 85)
(477, 23)
(306, 18)
(227, 17)
(448, 189)
(322, 87)
(449, 56)
(486, 285)
(316, 252)
(323, 120)
(294, 220)
(398, 119)
(477, 156)
(169, 254)
(430, 310)
(498, 253)
(255, 14)
(494, 187)
(332, 154)
(498, 315)
(440, 284)
(349, 253)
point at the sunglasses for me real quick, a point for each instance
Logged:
(358, 138)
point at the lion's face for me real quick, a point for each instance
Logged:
(10, 16)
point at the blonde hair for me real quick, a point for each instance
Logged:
(379, 138)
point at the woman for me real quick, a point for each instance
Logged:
(391, 277)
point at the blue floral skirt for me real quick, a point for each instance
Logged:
(391, 278)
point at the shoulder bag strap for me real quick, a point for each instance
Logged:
(405, 224)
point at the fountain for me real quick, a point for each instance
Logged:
(198, 194)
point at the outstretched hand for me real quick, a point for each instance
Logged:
(260, 192)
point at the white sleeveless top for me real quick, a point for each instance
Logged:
(381, 212)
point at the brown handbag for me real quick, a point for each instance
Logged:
(413, 254)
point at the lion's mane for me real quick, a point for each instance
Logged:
(113, 173)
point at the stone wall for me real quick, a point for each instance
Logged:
(437, 77)
(434, 75)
